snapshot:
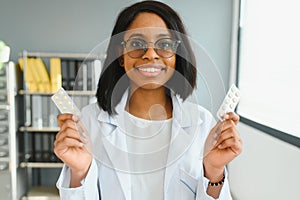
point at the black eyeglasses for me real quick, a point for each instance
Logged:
(164, 47)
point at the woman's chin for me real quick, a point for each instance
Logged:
(150, 85)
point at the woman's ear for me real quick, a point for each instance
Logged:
(121, 57)
(121, 61)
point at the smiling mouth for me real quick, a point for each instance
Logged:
(151, 70)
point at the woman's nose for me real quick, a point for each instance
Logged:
(150, 53)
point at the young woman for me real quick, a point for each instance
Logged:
(148, 141)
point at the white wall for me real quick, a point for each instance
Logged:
(267, 168)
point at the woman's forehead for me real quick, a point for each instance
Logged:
(148, 25)
(149, 32)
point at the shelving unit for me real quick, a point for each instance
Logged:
(9, 173)
(34, 167)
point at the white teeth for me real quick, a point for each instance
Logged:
(149, 69)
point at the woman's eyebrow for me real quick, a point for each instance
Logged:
(164, 35)
(136, 35)
(143, 35)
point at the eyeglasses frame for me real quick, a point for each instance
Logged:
(177, 43)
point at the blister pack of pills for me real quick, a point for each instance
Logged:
(230, 102)
(64, 103)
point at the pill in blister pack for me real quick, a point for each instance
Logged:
(64, 102)
(230, 101)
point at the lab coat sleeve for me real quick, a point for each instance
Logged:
(202, 188)
(87, 191)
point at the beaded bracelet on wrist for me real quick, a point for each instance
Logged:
(217, 183)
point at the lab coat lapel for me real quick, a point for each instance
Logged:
(116, 147)
(183, 134)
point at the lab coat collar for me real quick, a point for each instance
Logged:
(180, 114)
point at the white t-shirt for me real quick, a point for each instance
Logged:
(147, 142)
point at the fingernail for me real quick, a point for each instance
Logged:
(80, 144)
(226, 116)
(214, 142)
(216, 135)
(83, 139)
(75, 118)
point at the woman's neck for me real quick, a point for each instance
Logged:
(150, 104)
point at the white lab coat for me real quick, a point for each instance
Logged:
(107, 178)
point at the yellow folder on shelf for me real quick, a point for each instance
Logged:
(30, 80)
(55, 74)
(43, 75)
(35, 73)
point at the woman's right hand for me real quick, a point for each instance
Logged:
(70, 149)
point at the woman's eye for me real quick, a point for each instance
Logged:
(164, 45)
(137, 44)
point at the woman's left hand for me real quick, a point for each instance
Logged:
(226, 146)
